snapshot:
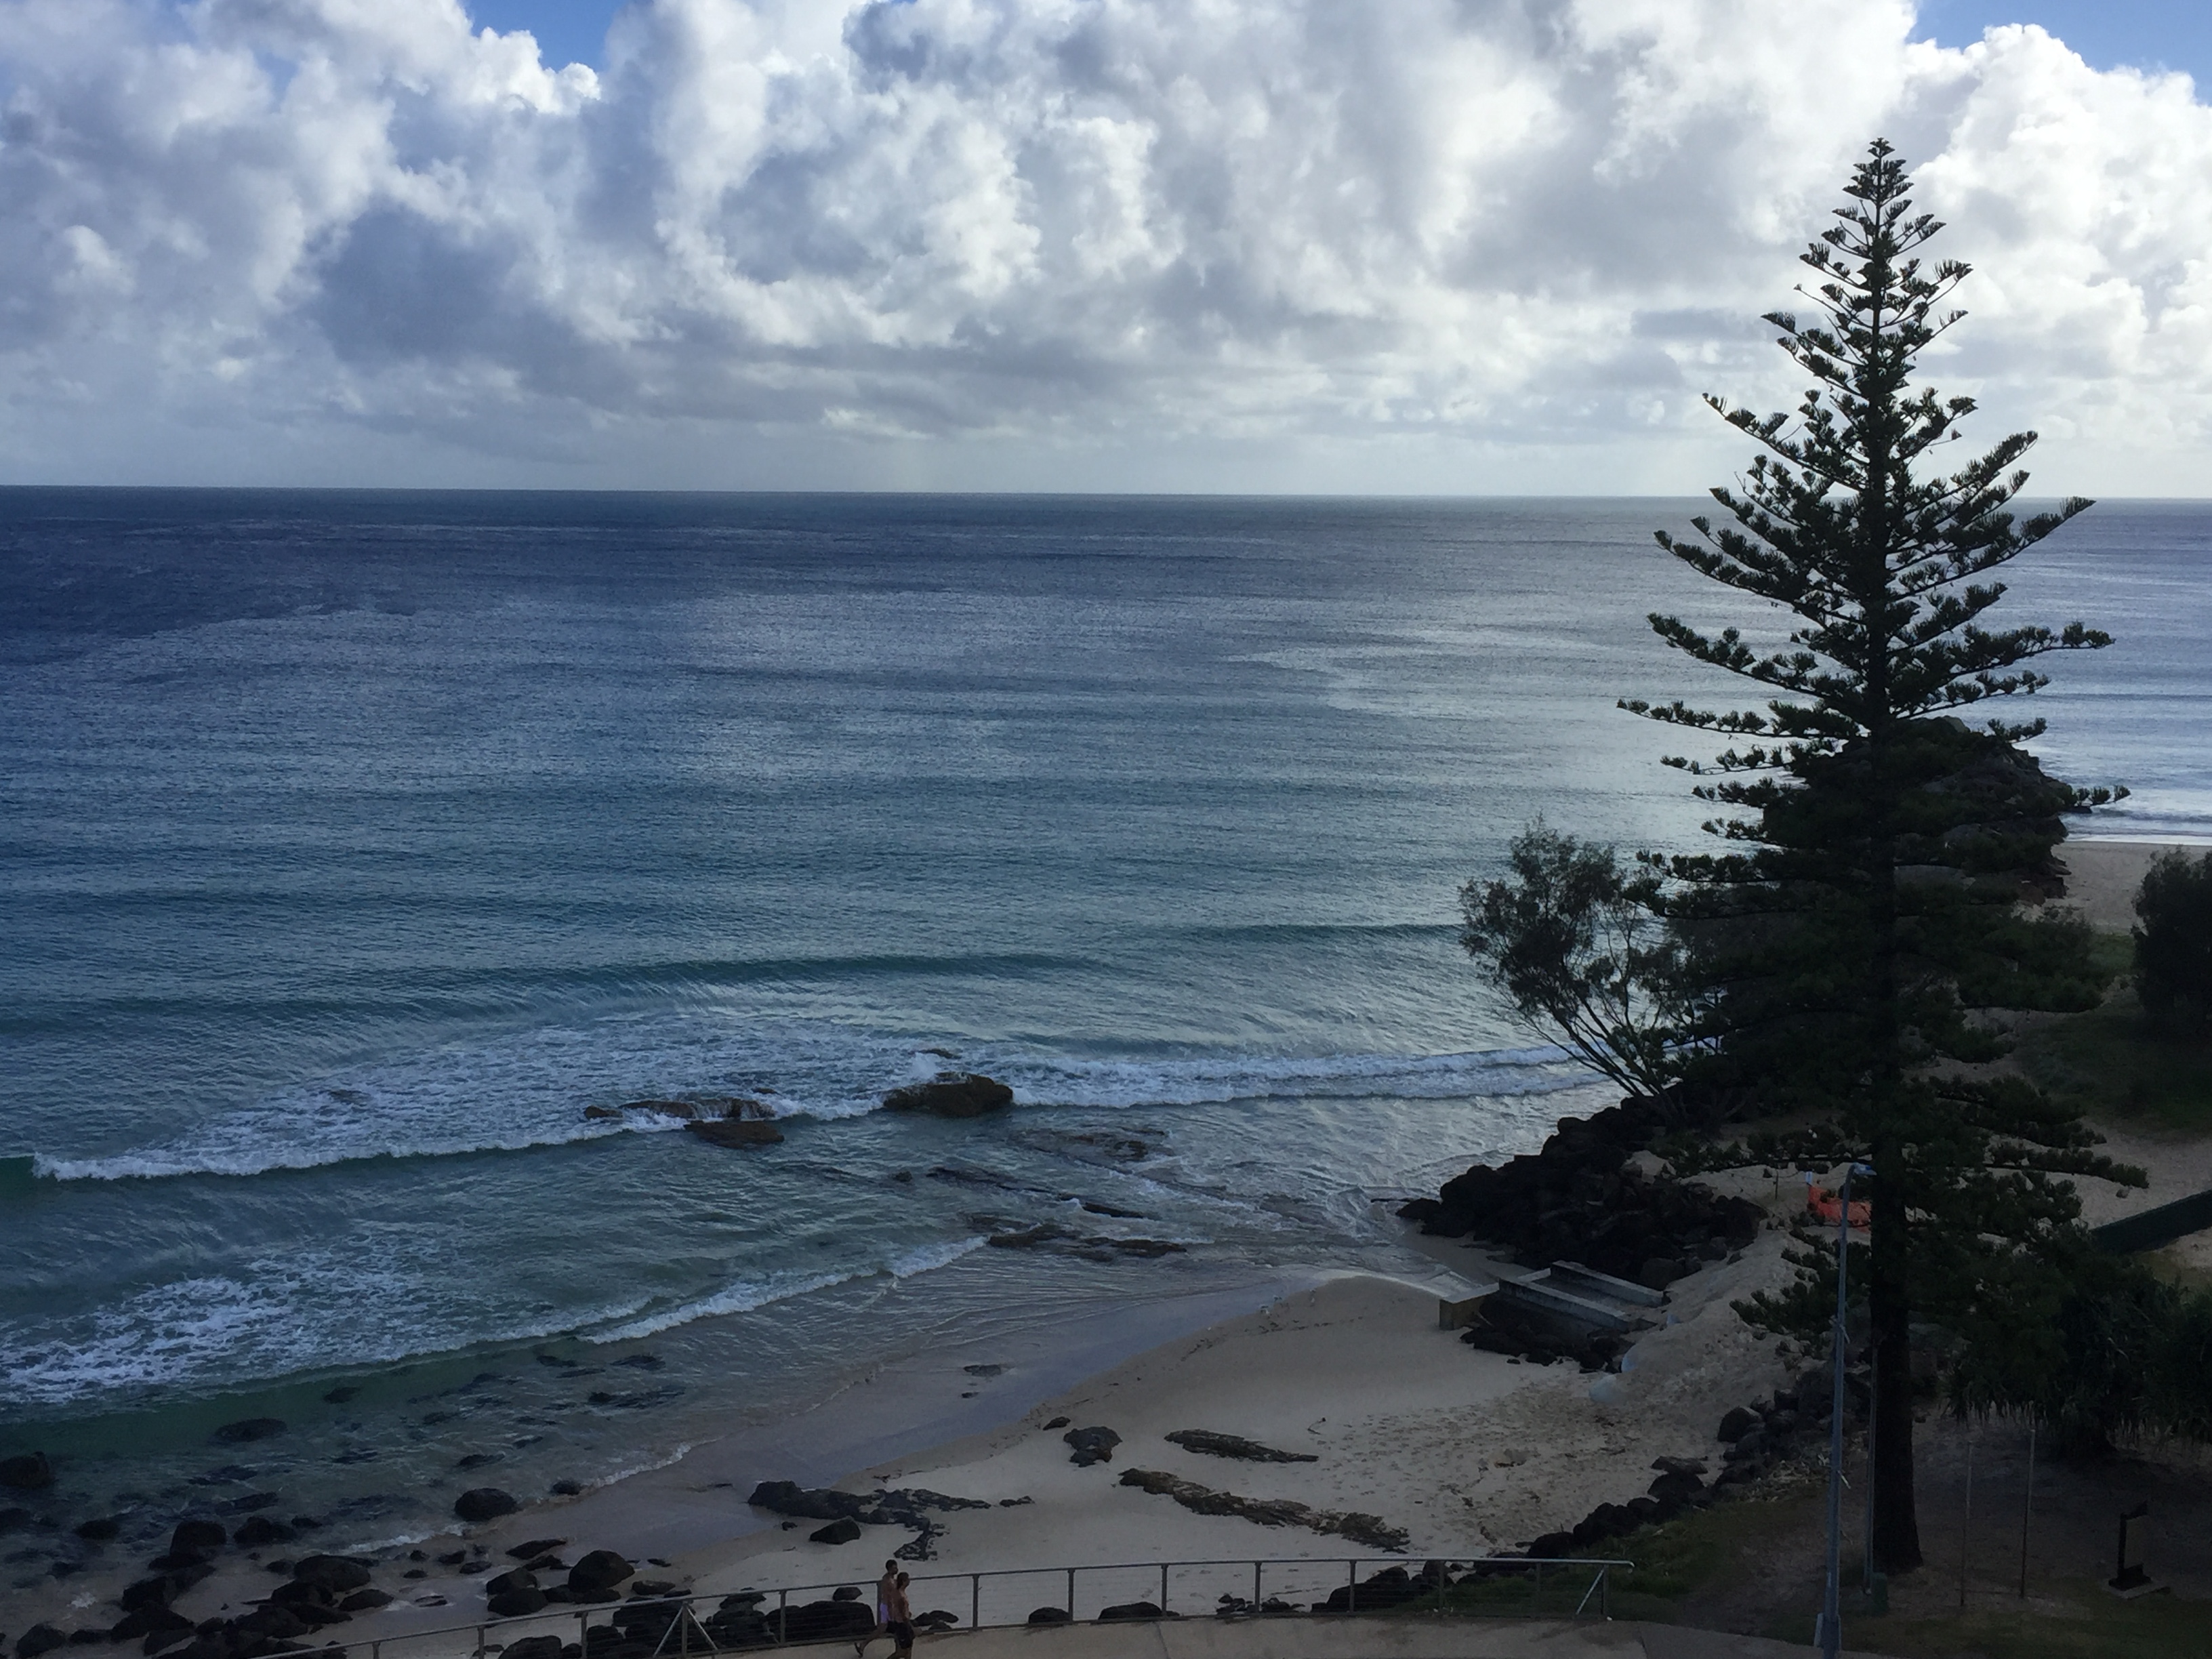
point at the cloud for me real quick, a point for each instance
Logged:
(1432, 244)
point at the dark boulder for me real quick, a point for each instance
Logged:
(40, 1639)
(26, 1471)
(14, 1518)
(735, 1132)
(99, 1530)
(846, 1531)
(246, 1429)
(531, 1549)
(953, 1094)
(1050, 1616)
(1390, 1588)
(515, 1578)
(335, 1573)
(480, 1504)
(366, 1598)
(599, 1572)
(1128, 1612)
(159, 1590)
(516, 1603)
(258, 1531)
(534, 1647)
(1552, 1546)
(275, 1621)
(157, 1640)
(808, 1503)
(144, 1621)
(682, 1109)
(196, 1537)
(1739, 1422)
(1092, 1446)
(823, 1621)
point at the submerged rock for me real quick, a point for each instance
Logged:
(26, 1471)
(735, 1132)
(248, 1429)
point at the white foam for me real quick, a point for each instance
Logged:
(529, 1089)
(928, 1258)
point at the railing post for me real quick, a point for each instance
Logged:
(1071, 1596)
(1256, 1589)
(1163, 1587)
(1352, 1585)
(1536, 1607)
(975, 1601)
(583, 1635)
(782, 1617)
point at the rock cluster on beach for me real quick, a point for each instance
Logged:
(846, 1512)
(1582, 1198)
(953, 1094)
(1365, 1529)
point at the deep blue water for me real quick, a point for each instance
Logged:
(351, 845)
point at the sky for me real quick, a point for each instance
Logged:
(1438, 246)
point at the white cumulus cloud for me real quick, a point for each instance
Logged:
(1432, 244)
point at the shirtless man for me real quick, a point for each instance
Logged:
(901, 1622)
(886, 1590)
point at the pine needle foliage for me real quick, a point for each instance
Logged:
(1865, 915)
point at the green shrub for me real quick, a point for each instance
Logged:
(2173, 945)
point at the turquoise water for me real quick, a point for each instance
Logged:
(353, 845)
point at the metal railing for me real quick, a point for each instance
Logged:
(674, 1627)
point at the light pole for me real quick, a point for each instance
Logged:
(1831, 1635)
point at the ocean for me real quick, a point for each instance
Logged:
(354, 844)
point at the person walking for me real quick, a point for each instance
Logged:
(886, 1589)
(901, 1622)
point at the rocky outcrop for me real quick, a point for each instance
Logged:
(953, 1094)
(1365, 1529)
(1092, 1446)
(1580, 1199)
(598, 1573)
(1234, 1445)
(26, 1471)
(844, 1531)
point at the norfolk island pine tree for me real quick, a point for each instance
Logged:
(1866, 908)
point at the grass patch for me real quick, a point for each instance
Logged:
(2107, 1063)
(2090, 1625)
(1703, 1549)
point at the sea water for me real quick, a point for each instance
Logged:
(353, 845)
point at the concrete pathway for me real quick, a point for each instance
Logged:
(1361, 1639)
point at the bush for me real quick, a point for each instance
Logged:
(2173, 945)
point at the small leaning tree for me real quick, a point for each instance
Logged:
(1865, 914)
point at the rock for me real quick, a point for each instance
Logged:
(937, 1620)
(28, 1472)
(516, 1603)
(480, 1504)
(682, 1109)
(167, 1638)
(1057, 1422)
(1361, 1528)
(15, 1519)
(849, 1593)
(530, 1550)
(1235, 1445)
(821, 1621)
(258, 1531)
(365, 1600)
(40, 1639)
(476, 1461)
(1092, 1446)
(598, 1571)
(953, 1094)
(144, 1621)
(1127, 1612)
(246, 1429)
(735, 1132)
(276, 1622)
(1552, 1546)
(99, 1528)
(1751, 1444)
(567, 1488)
(820, 1504)
(335, 1573)
(515, 1578)
(1737, 1424)
(161, 1589)
(837, 1531)
(1678, 1465)
(601, 1114)
(196, 1536)
(1659, 1272)
(739, 1106)
(1050, 1616)
(534, 1647)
